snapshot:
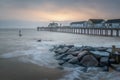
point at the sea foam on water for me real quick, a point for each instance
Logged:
(41, 55)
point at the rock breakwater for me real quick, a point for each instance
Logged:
(87, 56)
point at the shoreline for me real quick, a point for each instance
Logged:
(12, 69)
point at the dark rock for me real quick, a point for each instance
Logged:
(60, 67)
(75, 53)
(39, 40)
(61, 62)
(68, 57)
(66, 64)
(112, 61)
(65, 49)
(61, 46)
(89, 60)
(73, 49)
(87, 56)
(82, 54)
(60, 56)
(104, 61)
(102, 48)
(58, 50)
(105, 68)
(88, 48)
(116, 67)
(109, 50)
(74, 60)
(61, 50)
(100, 53)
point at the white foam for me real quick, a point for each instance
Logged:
(38, 54)
(92, 73)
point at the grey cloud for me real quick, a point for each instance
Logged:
(99, 4)
(107, 8)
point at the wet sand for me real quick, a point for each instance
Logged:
(12, 69)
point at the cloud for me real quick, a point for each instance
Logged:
(58, 10)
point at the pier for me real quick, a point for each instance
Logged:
(88, 31)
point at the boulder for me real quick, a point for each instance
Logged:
(61, 50)
(74, 60)
(73, 49)
(109, 50)
(116, 67)
(106, 68)
(88, 48)
(112, 61)
(102, 48)
(65, 49)
(61, 62)
(89, 61)
(82, 54)
(100, 53)
(57, 50)
(61, 46)
(68, 57)
(104, 61)
(75, 53)
(66, 64)
(59, 57)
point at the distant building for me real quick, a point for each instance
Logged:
(53, 24)
(113, 23)
(96, 23)
(79, 24)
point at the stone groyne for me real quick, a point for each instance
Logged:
(87, 56)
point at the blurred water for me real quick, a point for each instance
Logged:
(9, 39)
(26, 49)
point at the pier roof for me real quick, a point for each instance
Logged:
(96, 21)
(78, 22)
(113, 21)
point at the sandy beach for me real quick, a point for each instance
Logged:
(12, 69)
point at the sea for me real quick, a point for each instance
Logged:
(24, 58)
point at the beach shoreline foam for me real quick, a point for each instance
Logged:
(39, 54)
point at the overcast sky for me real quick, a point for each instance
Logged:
(33, 13)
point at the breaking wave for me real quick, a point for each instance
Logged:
(38, 54)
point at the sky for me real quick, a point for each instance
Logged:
(33, 13)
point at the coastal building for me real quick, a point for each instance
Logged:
(53, 24)
(113, 23)
(79, 24)
(96, 23)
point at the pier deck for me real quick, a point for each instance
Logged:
(88, 31)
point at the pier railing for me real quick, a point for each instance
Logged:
(88, 31)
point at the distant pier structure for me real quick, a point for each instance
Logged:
(98, 27)
(87, 31)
